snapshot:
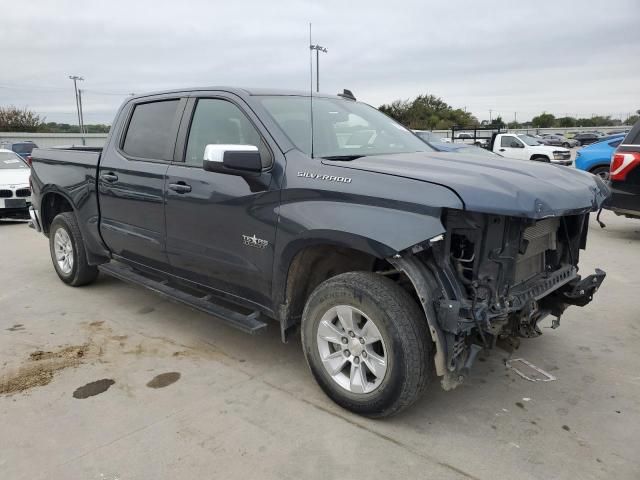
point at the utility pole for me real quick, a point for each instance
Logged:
(82, 129)
(76, 79)
(490, 120)
(318, 49)
(515, 117)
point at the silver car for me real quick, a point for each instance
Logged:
(560, 141)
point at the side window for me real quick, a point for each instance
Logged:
(150, 132)
(217, 121)
(508, 141)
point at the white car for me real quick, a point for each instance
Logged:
(15, 194)
(526, 147)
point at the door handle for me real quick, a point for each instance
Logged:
(109, 177)
(502, 149)
(180, 187)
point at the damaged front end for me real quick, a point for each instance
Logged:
(490, 279)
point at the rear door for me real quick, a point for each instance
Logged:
(221, 228)
(131, 180)
(512, 147)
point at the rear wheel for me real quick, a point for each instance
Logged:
(366, 343)
(68, 253)
(566, 145)
(602, 172)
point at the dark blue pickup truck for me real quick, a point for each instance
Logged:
(397, 263)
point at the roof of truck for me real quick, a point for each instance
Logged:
(240, 91)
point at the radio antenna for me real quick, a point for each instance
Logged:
(311, 86)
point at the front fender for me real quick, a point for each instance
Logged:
(378, 231)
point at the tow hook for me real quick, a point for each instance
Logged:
(582, 292)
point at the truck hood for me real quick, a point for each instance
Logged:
(502, 186)
(15, 176)
(547, 149)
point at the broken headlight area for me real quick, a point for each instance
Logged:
(497, 277)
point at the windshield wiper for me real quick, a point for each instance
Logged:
(343, 158)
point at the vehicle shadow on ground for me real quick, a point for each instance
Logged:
(11, 221)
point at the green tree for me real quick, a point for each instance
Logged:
(632, 120)
(544, 120)
(13, 119)
(566, 122)
(428, 112)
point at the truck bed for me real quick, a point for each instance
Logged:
(71, 172)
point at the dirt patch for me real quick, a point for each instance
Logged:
(92, 389)
(164, 380)
(40, 367)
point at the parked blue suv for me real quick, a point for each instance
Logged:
(596, 157)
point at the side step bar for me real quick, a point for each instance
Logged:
(247, 323)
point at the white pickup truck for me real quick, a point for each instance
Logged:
(525, 147)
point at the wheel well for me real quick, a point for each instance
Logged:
(595, 167)
(539, 157)
(313, 265)
(53, 204)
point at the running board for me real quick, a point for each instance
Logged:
(247, 323)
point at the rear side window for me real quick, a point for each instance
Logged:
(151, 132)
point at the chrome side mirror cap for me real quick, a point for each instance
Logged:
(232, 159)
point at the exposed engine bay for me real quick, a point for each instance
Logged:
(490, 279)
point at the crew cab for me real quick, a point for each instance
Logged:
(397, 263)
(526, 147)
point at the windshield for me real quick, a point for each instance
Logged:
(9, 160)
(342, 129)
(529, 140)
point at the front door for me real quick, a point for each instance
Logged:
(131, 182)
(221, 228)
(512, 147)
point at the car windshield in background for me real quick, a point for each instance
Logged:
(529, 140)
(10, 160)
(342, 129)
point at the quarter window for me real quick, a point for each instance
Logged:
(151, 133)
(220, 122)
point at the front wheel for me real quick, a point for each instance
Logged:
(566, 145)
(366, 342)
(68, 253)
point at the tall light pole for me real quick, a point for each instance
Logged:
(318, 49)
(76, 79)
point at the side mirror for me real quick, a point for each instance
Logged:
(232, 159)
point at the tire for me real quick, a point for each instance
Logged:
(405, 344)
(602, 172)
(566, 145)
(541, 159)
(65, 243)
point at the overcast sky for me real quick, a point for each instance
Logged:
(565, 57)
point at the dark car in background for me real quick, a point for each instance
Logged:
(23, 148)
(624, 176)
(587, 138)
